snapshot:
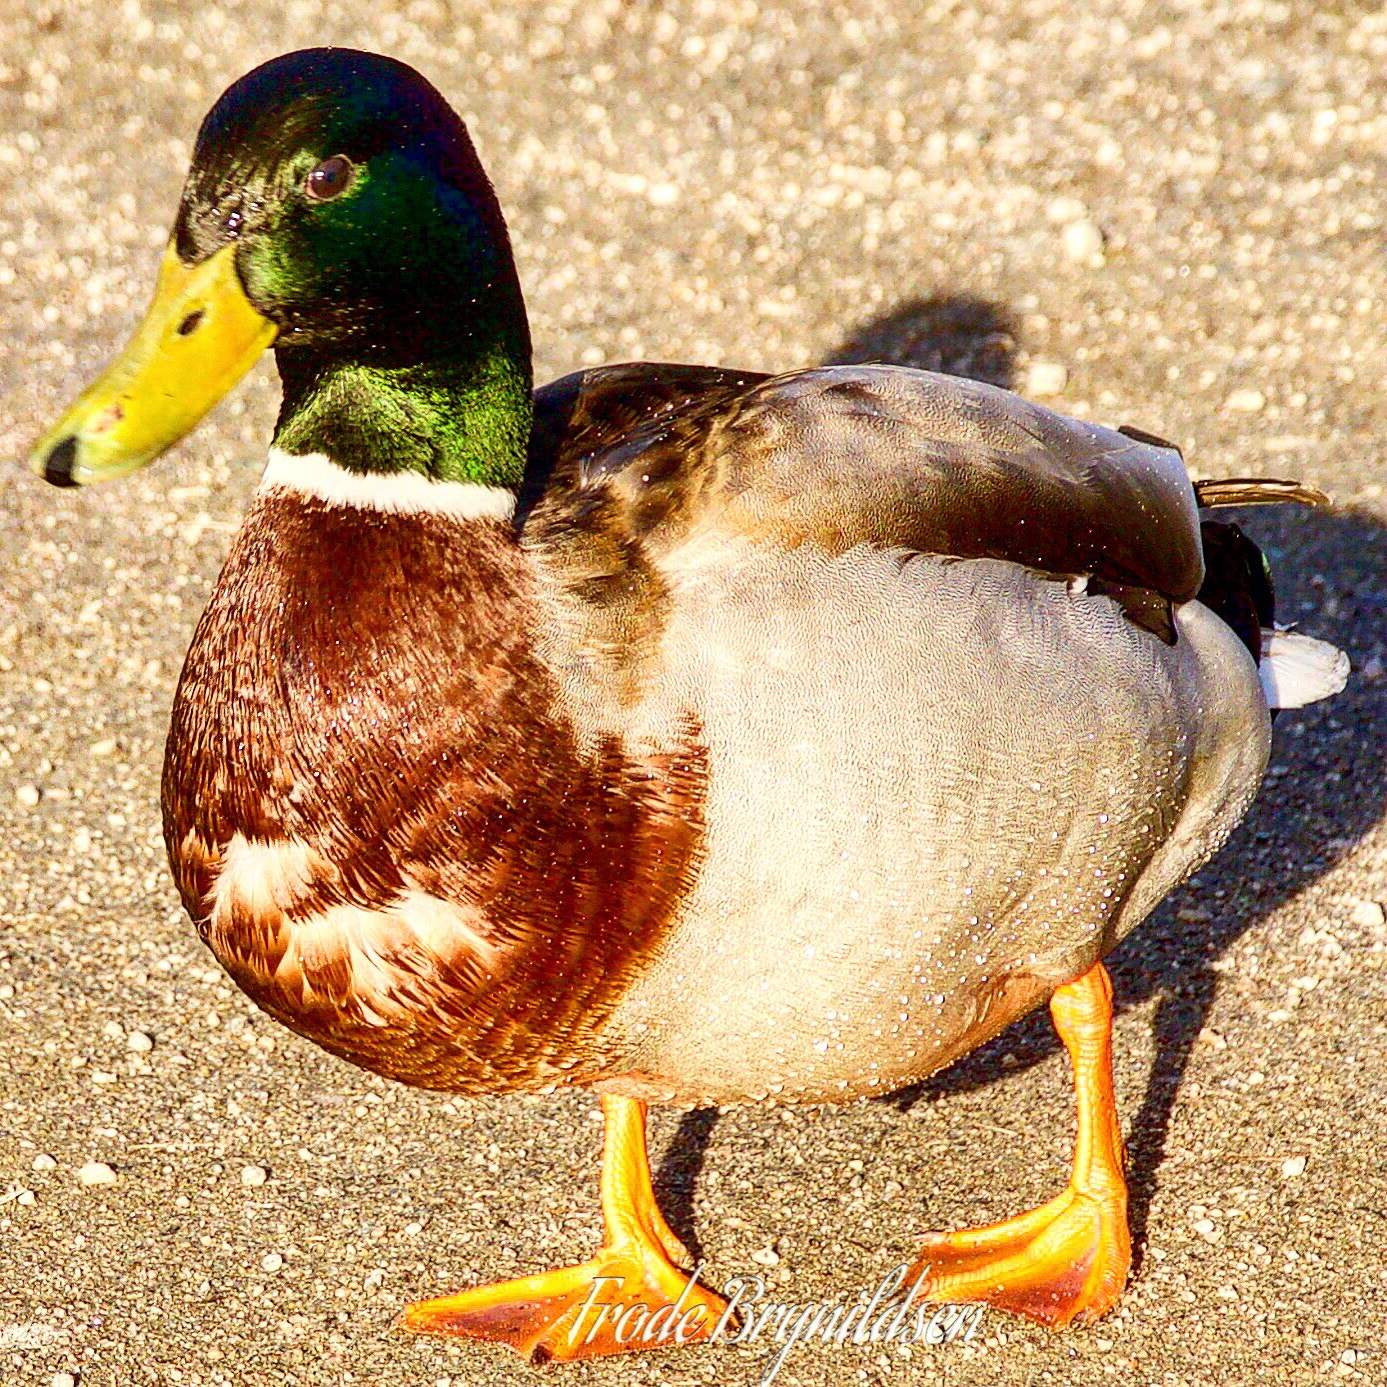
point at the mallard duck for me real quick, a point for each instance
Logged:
(693, 735)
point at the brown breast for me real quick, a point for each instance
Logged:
(381, 822)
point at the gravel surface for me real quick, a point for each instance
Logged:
(1168, 214)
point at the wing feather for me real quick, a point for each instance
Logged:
(843, 455)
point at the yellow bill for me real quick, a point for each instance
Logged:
(199, 337)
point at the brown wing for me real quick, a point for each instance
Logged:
(644, 454)
(592, 423)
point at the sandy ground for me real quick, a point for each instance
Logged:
(1164, 214)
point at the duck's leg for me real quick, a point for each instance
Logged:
(591, 1309)
(1069, 1257)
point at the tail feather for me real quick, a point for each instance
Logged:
(1296, 670)
(1258, 491)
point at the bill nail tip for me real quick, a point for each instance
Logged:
(58, 465)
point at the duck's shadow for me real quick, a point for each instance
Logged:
(957, 334)
(1327, 786)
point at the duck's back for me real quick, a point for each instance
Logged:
(858, 454)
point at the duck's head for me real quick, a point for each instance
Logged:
(335, 210)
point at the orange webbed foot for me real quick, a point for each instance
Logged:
(630, 1296)
(1065, 1260)
(1069, 1258)
(621, 1301)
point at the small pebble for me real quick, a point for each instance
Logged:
(1213, 1039)
(1369, 914)
(766, 1257)
(96, 1173)
(26, 1197)
(103, 1076)
(1245, 402)
(891, 1189)
(1045, 379)
(414, 1229)
(64, 1380)
(1108, 153)
(272, 1263)
(28, 795)
(113, 1030)
(1064, 209)
(1293, 1168)
(43, 1161)
(1083, 241)
(1104, 1345)
(139, 1042)
(81, 840)
(254, 1176)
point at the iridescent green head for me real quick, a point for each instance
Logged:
(336, 208)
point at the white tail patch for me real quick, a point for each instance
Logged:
(1296, 670)
(316, 475)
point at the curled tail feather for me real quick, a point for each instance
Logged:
(1258, 491)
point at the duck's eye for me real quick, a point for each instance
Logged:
(330, 179)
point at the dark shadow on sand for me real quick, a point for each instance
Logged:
(958, 334)
(677, 1177)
